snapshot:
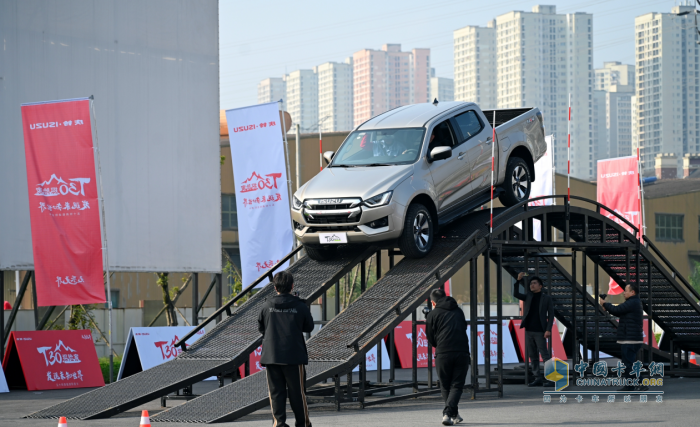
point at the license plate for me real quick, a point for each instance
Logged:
(332, 238)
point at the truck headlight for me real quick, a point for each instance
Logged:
(296, 203)
(378, 200)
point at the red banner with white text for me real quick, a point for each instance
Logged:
(52, 360)
(63, 206)
(618, 189)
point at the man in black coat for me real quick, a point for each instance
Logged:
(630, 333)
(538, 318)
(283, 320)
(446, 330)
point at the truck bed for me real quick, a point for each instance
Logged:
(505, 115)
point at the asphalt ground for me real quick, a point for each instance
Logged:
(520, 406)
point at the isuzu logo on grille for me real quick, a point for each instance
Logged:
(329, 201)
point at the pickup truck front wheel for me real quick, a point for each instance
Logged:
(416, 240)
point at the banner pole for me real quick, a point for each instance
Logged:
(286, 163)
(568, 155)
(643, 228)
(493, 154)
(104, 238)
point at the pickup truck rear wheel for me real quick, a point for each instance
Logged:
(320, 253)
(517, 184)
(416, 240)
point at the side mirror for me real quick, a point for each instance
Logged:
(439, 153)
(328, 156)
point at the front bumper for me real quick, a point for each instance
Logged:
(357, 231)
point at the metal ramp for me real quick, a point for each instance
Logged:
(222, 350)
(332, 351)
(343, 342)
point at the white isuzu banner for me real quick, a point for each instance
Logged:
(151, 346)
(543, 185)
(262, 199)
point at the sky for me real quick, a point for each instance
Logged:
(271, 38)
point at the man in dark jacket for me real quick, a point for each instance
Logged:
(538, 318)
(283, 320)
(630, 333)
(446, 330)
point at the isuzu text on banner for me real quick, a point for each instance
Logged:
(63, 206)
(262, 200)
(618, 189)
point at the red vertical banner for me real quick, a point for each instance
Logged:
(63, 205)
(618, 189)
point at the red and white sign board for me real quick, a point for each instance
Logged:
(63, 202)
(557, 346)
(509, 355)
(262, 196)
(147, 347)
(371, 358)
(254, 360)
(618, 189)
(403, 339)
(52, 360)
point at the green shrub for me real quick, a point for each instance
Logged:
(104, 365)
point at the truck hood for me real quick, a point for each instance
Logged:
(364, 182)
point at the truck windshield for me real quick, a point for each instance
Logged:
(380, 147)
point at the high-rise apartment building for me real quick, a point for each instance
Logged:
(335, 96)
(302, 98)
(618, 120)
(441, 88)
(542, 58)
(475, 65)
(614, 73)
(601, 149)
(272, 90)
(668, 110)
(388, 78)
(612, 98)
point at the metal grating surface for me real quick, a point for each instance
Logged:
(328, 348)
(233, 337)
(122, 392)
(244, 396)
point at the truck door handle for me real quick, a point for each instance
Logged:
(488, 140)
(460, 155)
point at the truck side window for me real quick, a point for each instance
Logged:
(469, 124)
(441, 136)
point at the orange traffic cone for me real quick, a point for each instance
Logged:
(145, 421)
(694, 358)
(62, 422)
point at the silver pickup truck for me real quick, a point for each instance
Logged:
(404, 173)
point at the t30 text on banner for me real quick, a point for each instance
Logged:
(262, 199)
(63, 206)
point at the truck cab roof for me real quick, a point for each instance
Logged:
(411, 116)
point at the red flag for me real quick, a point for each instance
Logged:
(618, 189)
(63, 206)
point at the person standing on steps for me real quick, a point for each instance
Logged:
(630, 329)
(446, 330)
(538, 318)
(283, 320)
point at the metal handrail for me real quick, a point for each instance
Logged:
(242, 293)
(564, 196)
(396, 307)
(671, 267)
